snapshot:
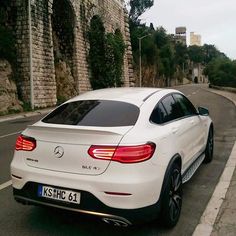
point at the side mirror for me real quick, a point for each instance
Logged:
(202, 111)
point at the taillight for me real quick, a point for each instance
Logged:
(123, 154)
(24, 143)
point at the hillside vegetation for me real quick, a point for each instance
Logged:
(164, 60)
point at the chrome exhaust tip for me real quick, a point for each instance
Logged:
(117, 222)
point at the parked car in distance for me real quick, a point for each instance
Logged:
(121, 154)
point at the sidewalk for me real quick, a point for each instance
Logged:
(219, 217)
(226, 220)
(225, 223)
(25, 114)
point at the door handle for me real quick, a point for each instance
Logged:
(175, 130)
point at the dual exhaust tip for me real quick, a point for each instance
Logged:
(117, 222)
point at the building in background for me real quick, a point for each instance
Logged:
(180, 35)
(195, 39)
(197, 73)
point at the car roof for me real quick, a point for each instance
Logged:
(136, 96)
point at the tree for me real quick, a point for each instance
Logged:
(97, 52)
(152, 27)
(221, 72)
(138, 7)
(196, 54)
(167, 58)
(160, 37)
(211, 53)
(181, 54)
(114, 58)
(162, 56)
(7, 37)
(106, 56)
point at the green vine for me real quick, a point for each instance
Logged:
(7, 37)
(105, 56)
(86, 13)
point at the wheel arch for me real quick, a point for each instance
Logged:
(211, 127)
(167, 218)
(175, 159)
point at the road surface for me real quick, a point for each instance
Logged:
(16, 219)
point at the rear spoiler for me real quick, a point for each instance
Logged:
(79, 129)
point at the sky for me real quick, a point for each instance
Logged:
(214, 20)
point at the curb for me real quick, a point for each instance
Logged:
(208, 218)
(229, 89)
(25, 115)
(223, 93)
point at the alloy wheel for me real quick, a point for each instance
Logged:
(175, 195)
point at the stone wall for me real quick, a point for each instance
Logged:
(8, 93)
(22, 40)
(42, 53)
(44, 58)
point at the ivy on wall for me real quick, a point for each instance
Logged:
(105, 56)
(63, 30)
(7, 37)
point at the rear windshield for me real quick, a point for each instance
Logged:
(102, 113)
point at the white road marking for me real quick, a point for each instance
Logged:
(5, 185)
(7, 135)
(205, 226)
(188, 96)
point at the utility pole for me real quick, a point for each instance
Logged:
(30, 58)
(140, 59)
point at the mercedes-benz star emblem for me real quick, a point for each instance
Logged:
(58, 152)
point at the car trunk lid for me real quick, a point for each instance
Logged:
(64, 148)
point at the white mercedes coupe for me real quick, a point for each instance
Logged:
(121, 154)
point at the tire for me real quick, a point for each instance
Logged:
(172, 197)
(209, 147)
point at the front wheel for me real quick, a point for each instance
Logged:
(209, 147)
(172, 197)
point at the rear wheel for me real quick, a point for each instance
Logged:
(209, 147)
(172, 197)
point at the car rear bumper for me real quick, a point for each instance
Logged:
(89, 204)
(141, 188)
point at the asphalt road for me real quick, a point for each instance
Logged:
(16, 219)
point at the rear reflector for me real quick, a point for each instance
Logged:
(24, 143)
(17, 177)
(123, 154)
(118, 194)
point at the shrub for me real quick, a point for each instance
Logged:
(105, 56)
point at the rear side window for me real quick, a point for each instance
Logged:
(101, 113)
(159, 114)
(166, 110)
(172, 109)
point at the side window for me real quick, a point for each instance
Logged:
(186, 106)
(159, 114)
(172, 109)
(166, 110)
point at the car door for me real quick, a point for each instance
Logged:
(194, 122)
(169, 115)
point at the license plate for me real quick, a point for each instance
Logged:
(58, 194)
